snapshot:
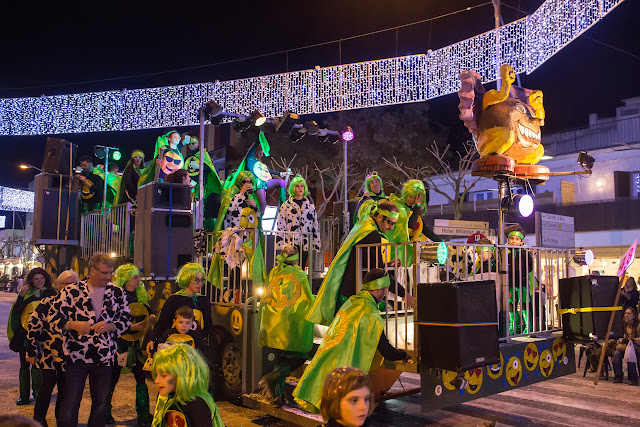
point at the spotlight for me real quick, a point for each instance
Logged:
(287, 122)
(583, 257)
(436, 252)
(100, 152)
(257, 118)
(296, 134)
(518, 205)
(311, 127)
(347, 134)
(212, 109)
(115, 155)
(586, 161)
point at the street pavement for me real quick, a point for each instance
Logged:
(566, 401)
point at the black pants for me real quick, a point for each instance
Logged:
(50, 378)
(137, 371)
(99, 387)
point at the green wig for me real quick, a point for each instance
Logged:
(295, 181)
(187, 273)
(367, 182)
(191, 373)
(123, 274)
(414, 187)
(242, 176)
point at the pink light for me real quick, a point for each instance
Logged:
(347, 134)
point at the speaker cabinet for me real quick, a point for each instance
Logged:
(584, 292)
(59, 156)
(163, 241)
(457, 325)
(56, 210)
(164, 195)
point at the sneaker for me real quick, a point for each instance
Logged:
(22, 401)
(617, 379)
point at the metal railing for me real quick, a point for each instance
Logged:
(329, 229)
(106, 230)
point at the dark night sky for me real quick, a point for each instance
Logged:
(46, 46)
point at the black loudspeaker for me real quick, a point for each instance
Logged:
(164, 195)
(163, 241)
(56, 210)
(59, 156)
(584, 292)
(458, 325)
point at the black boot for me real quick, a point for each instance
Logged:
(142, 406)
(25, 387)
(36, 381)
(110, 419)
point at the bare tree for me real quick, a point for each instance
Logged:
(452, 176)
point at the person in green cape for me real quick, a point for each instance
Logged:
(167, 159)
(129, 185)
(127, 276)
(190, 279)
(282, 324)
(239, 208)
(37, 286)
(412, 203)
(113, 183)
(352, 340)
(340, 282)
(373, 194)
(182, 377)
(212, 183)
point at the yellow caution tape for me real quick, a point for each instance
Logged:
(587, 310)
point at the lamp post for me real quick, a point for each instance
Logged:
(25, 166)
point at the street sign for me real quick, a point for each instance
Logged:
(628, 258)
(450, 227)
(475, 237)
(555, 231)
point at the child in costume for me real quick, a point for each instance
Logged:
(283, 327)
(184, 330)
(182, 377)
(190, 279)
(519, 274)
(298, 214)
(127, 276)
(212, 184)
(44, 349)
(37, 287)
(373, 193)
(352, 340)
(346, 398)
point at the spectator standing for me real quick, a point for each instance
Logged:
(90, 315)
(38, 286)
(44, 350)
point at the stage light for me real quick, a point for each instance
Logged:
(287, 122)
(212, 109)
(296, 134)
(583, 257)
(115, 155)
(100, 152)
(311, 127)
(347, 134)
(257, 118)
(519, 205)
(436, 252)
(586, 161)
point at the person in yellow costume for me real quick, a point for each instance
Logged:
(283, 327)
(340, 282)
(412, 204)
(352, 340)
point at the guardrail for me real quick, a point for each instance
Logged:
(106, 230)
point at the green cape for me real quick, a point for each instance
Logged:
(352, 340)
(212, 183)
(148, 174)
(282, 310)
(400, 232)
(324, 307)
(121, 196)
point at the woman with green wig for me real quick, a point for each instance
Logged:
(129, 353)
(373, 194)
(190, 279)
(182, 377)
(298, 215)
(236, 198)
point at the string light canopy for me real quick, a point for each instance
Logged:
(525, 44)
(12, 199)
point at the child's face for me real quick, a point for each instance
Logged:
(354, 407)
(486, 255)
(183, 325)
(515, 241)
(166, 383)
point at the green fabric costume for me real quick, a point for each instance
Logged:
(282, 310)
(324, 307)
(148, 174)
(212, 183)
(352, 340)
(400, 232)
(254, 255)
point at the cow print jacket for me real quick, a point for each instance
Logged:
(75, 304)
(293, 217)
(234, 212)
(43, 342)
